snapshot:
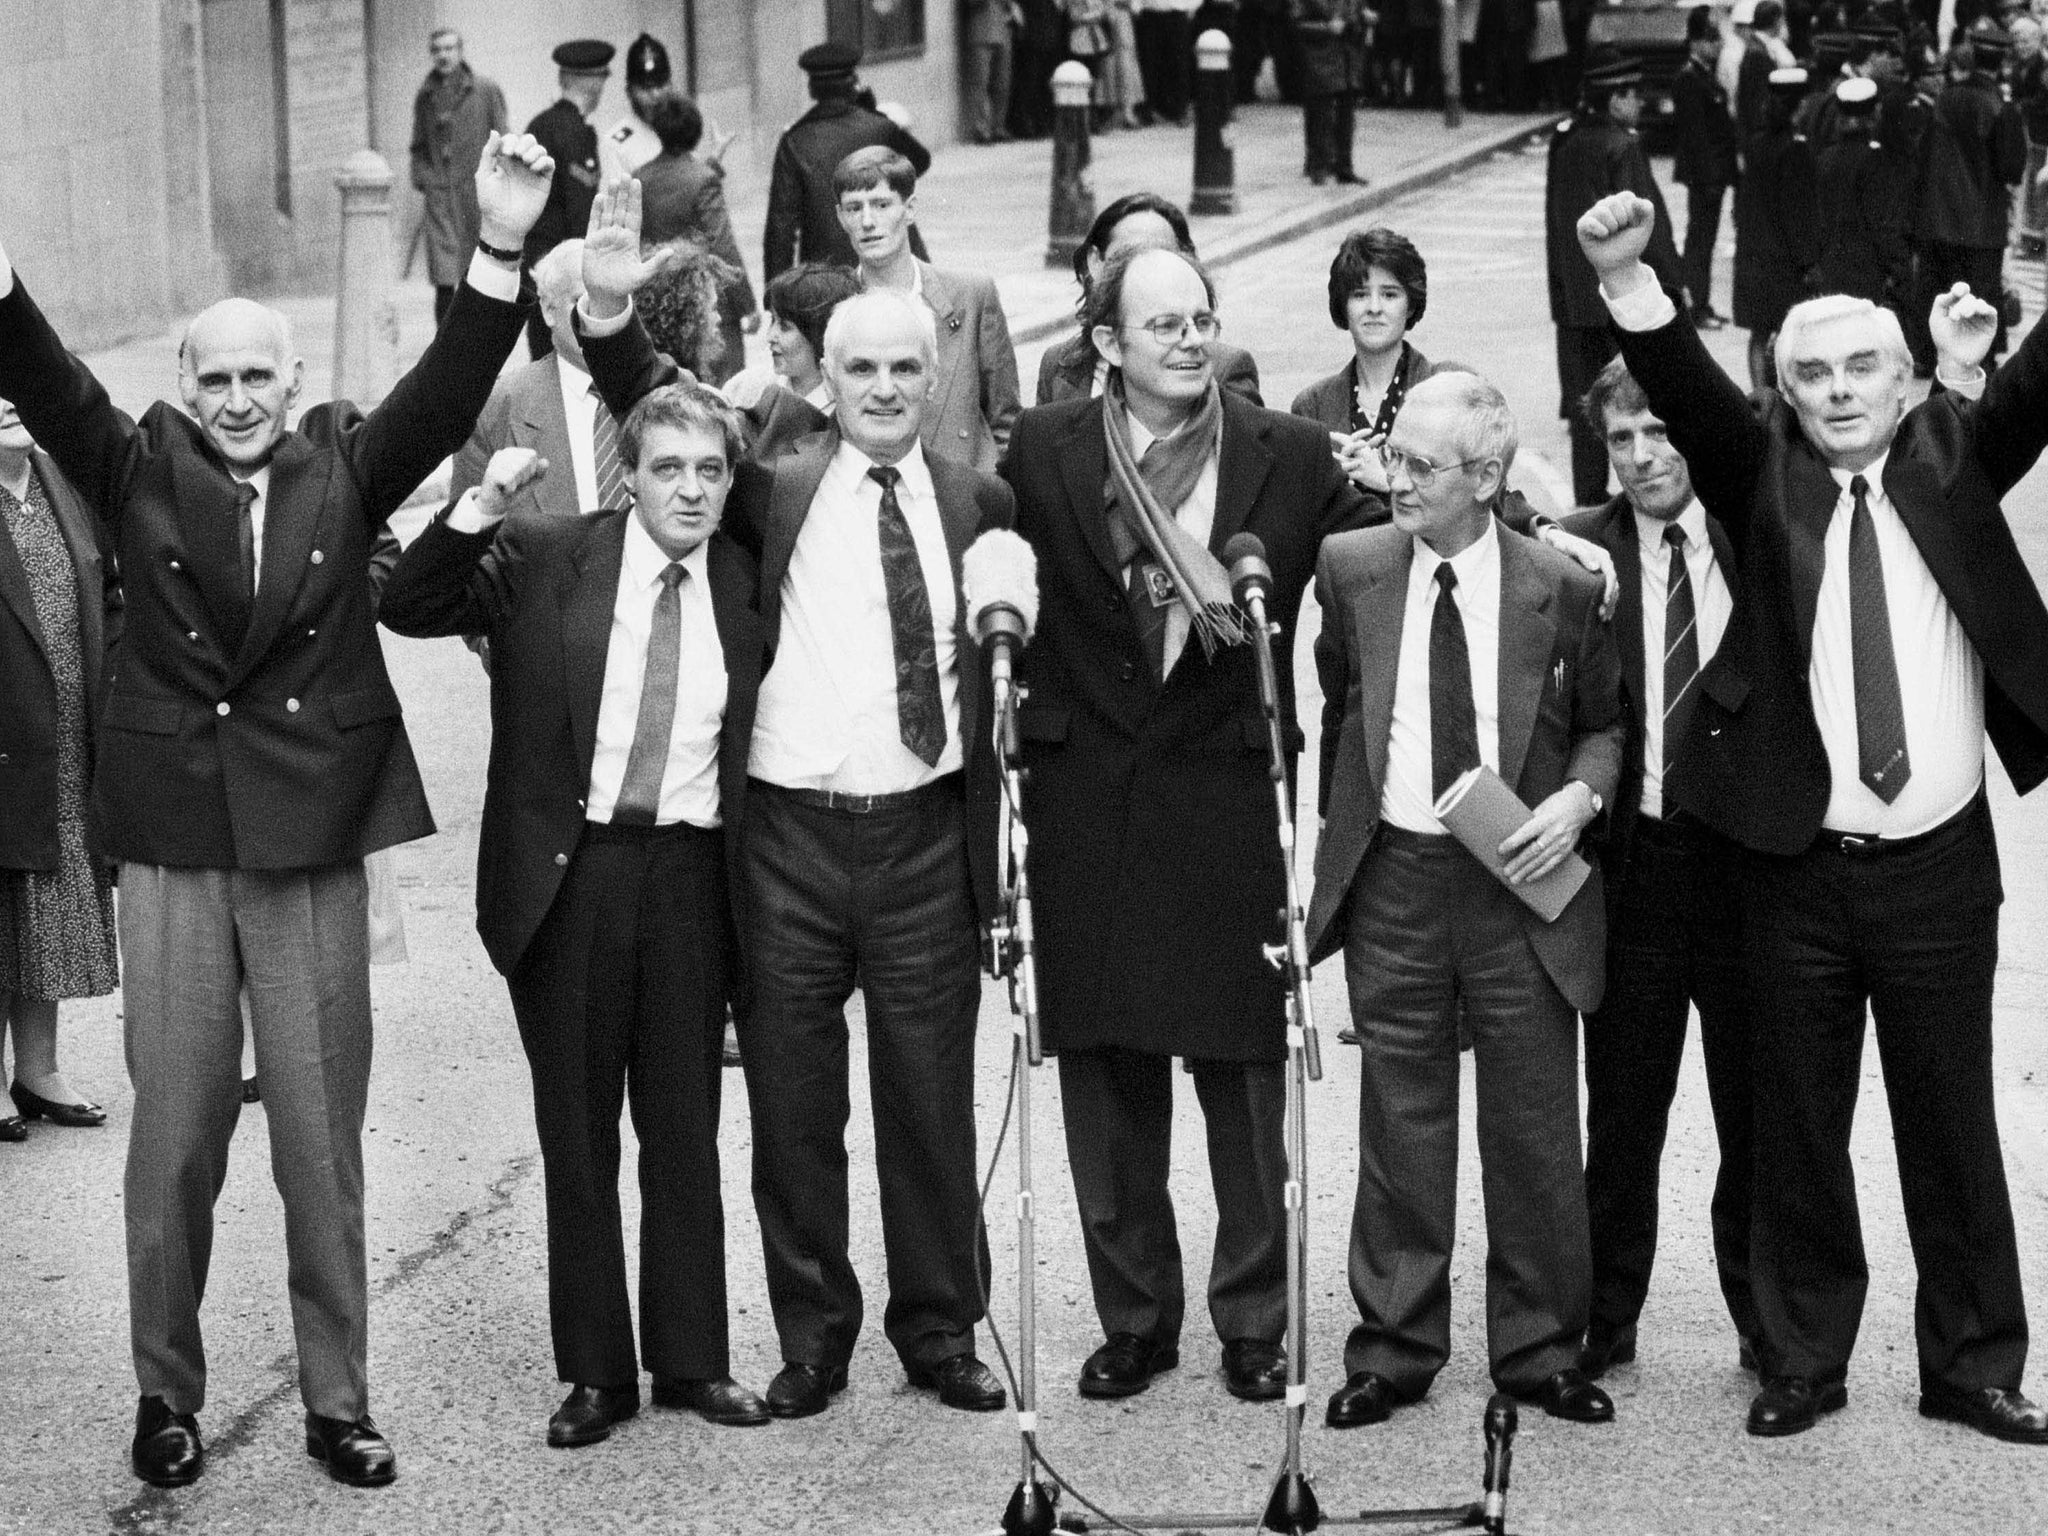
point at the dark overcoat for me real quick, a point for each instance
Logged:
(803, 222)
(1862, 192)
(1591, 156)
(569, 138)
(1776, 233)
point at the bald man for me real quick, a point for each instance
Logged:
(251, 754)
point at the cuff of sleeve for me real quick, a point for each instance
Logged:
(493, 279)
(590, 325)
(6, 274)
(1970, 387)
(1644, 309)
(466, 516)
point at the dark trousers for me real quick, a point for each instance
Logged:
(1582, 351)
(620, 1000)
(443, 298)
(881, 901)
(1328, 124)
(1702, 228)
(1166, 62)
(1431, 929)
(1674, 941)
(1118, 1107)
(1913, 935)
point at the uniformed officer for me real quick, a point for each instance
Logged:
(630, 143)
(1862, 191)
(1594, 153)
(803, 208)
(1775, 231)
(565, 133)
(1976, 151)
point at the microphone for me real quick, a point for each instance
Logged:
(1250, 576)
(999, 581)
(1500, 1440)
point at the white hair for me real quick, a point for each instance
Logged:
(879, 302)
(1486, 429)
(1806, 314)
(558, 276)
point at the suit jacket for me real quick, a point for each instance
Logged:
(1067, 371)
(778, 420)
(543, 589)
(803, 219)
(1550, 731)
(974, 396)
(264, 736)
(28, 688)
(524, 411)
(1154, 856)
(1754, 767)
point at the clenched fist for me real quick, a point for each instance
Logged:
(1615, 231)
(510, 471)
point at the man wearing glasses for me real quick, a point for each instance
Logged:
(1153, 852)
(1449, 642)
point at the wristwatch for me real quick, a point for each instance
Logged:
(1592, 794)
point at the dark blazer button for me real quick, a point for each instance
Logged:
(1116, 602)
(561, 859)
(1127, 670)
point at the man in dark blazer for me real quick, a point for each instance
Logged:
(1449, 642)
(1674, 939)
(1705, 161)
(1153, 854)
(251, 753)
(1886, 623)
(857, 861)
(611, 824)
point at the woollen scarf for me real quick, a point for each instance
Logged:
(1140, 497)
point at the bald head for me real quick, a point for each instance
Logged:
(238, 376)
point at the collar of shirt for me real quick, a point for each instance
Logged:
(576, 382)
(1873, 474)
(260, 480)
(1477, 566)
(821, 397)
(850, 467)
(1143, 437)
(1650, 530)
(644, 560)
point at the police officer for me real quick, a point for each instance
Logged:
(1862, 188)
(803, 210)
(1976, 150)
(565, 133)
(1775, 230)
(1594, 153)
(630, 143)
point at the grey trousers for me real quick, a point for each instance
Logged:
(189, 937)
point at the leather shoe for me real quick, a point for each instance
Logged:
(1994, 1411)
(34, 1106)
(167, 1451)
(1125, 1365)
(962, 1382)
(353, 1450)
(1569, 1395)
(1790, 1405)
(1365, 1398)
(1254, 1370)
(1605, 1347)
(587, 1414)
(798, 1390)
(723, 1401)
(13, 1128)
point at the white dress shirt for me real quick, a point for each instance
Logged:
(1711, 603)
(1409, 798)
(1941, 680)
(1197, 515)
(826, 718)
(689, 783)
(580, 402)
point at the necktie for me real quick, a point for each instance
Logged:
(245, 535)
(920, 709)
(1681, 643)
(647, 759)
(611, 468)
(1453, 724)
(1881, 758)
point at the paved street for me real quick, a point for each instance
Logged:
(462, 1377)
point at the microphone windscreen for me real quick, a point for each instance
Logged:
(1244, 546)
(1000, 570)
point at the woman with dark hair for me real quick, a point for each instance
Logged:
(1379, 289)
(1073, 369)
(683, 198)
(56, 902)
(795, 403)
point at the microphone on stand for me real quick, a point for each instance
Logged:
(999, 580)
(1500, 1454)
(1251, 584)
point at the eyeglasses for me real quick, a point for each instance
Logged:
(1419, 470)
(1168, 330)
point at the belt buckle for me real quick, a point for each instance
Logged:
(1858, 842)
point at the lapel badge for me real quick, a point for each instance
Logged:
(1159, 586)
(952, 322)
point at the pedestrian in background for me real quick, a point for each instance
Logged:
(1706, 161)
(683, 198)
(1125, 82)
(1975, 151)
(1331, 35)
(1166, 56)
(2029, 76)
(1776, 233)
(455, 110)
(633, 140)
(985, 93)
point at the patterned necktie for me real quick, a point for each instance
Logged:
(920, 708)
(1881, 758)
(245, 535)
(1453, 723)
(612, 490)
(647, 759)
(1681, 643)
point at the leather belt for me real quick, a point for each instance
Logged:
(1865, 845)
(863, 805)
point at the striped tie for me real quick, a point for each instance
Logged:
(612, 489)
(1681, 643)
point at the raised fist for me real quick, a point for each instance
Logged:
(1615, 231)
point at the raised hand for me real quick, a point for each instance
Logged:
(1963, 327)
(510, 471)
(512, 182)
(1615, 232)
(614, 268)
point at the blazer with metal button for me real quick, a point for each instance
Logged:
(260, 735)
(974, 390)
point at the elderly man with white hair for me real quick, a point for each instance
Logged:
(1886, 624)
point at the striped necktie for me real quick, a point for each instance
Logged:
(1681, 643)
(612, 490)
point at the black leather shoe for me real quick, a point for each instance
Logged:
(587, 1414)
(798, 1391)
(352, 1450)
(1569, 1395)
(13, 1128)
(1254, 1370)
(1363, 1399)
(962, 1382)
(723, 1401)
(34, 1106)
(1789, 1405)
(1992, 1411)
(167, 1451)
(1125, 1365)
(1605, 1347)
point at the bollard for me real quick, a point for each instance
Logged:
(365, 319)
(1215, 91)
(1448, 36)
(1073, 199)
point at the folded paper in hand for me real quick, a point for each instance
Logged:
(1481, 812)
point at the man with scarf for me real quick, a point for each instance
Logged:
(1154, 863)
